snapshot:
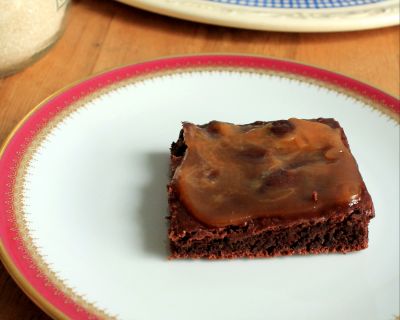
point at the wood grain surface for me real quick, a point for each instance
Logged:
(105, 34)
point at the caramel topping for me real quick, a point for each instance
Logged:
(282, 169)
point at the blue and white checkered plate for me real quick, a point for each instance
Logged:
(281, 15)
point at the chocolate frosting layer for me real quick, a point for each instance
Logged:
(283, 169)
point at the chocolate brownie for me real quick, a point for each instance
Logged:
(265, 189)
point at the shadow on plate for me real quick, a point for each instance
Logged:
(153, 208)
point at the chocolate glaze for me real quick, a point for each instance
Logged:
(285, 169)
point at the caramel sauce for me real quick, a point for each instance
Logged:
(284, 169)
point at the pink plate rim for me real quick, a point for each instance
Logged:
(12, 250)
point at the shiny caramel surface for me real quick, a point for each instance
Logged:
(282, 169)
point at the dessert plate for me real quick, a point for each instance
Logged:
(281, 15)
(83, 196)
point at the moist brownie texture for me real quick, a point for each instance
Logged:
(265, 189)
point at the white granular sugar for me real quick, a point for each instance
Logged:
(26, 28)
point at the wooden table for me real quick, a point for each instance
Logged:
(104, 34)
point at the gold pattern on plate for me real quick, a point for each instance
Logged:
(36, 260)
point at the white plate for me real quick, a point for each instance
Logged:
(84, 232)
(281, 15)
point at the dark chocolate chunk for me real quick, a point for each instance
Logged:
(281, 127)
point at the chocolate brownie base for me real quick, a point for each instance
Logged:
(339, 229)
(349, 234)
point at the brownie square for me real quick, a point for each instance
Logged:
(265, 189)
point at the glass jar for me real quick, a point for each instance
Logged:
(27, 29)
